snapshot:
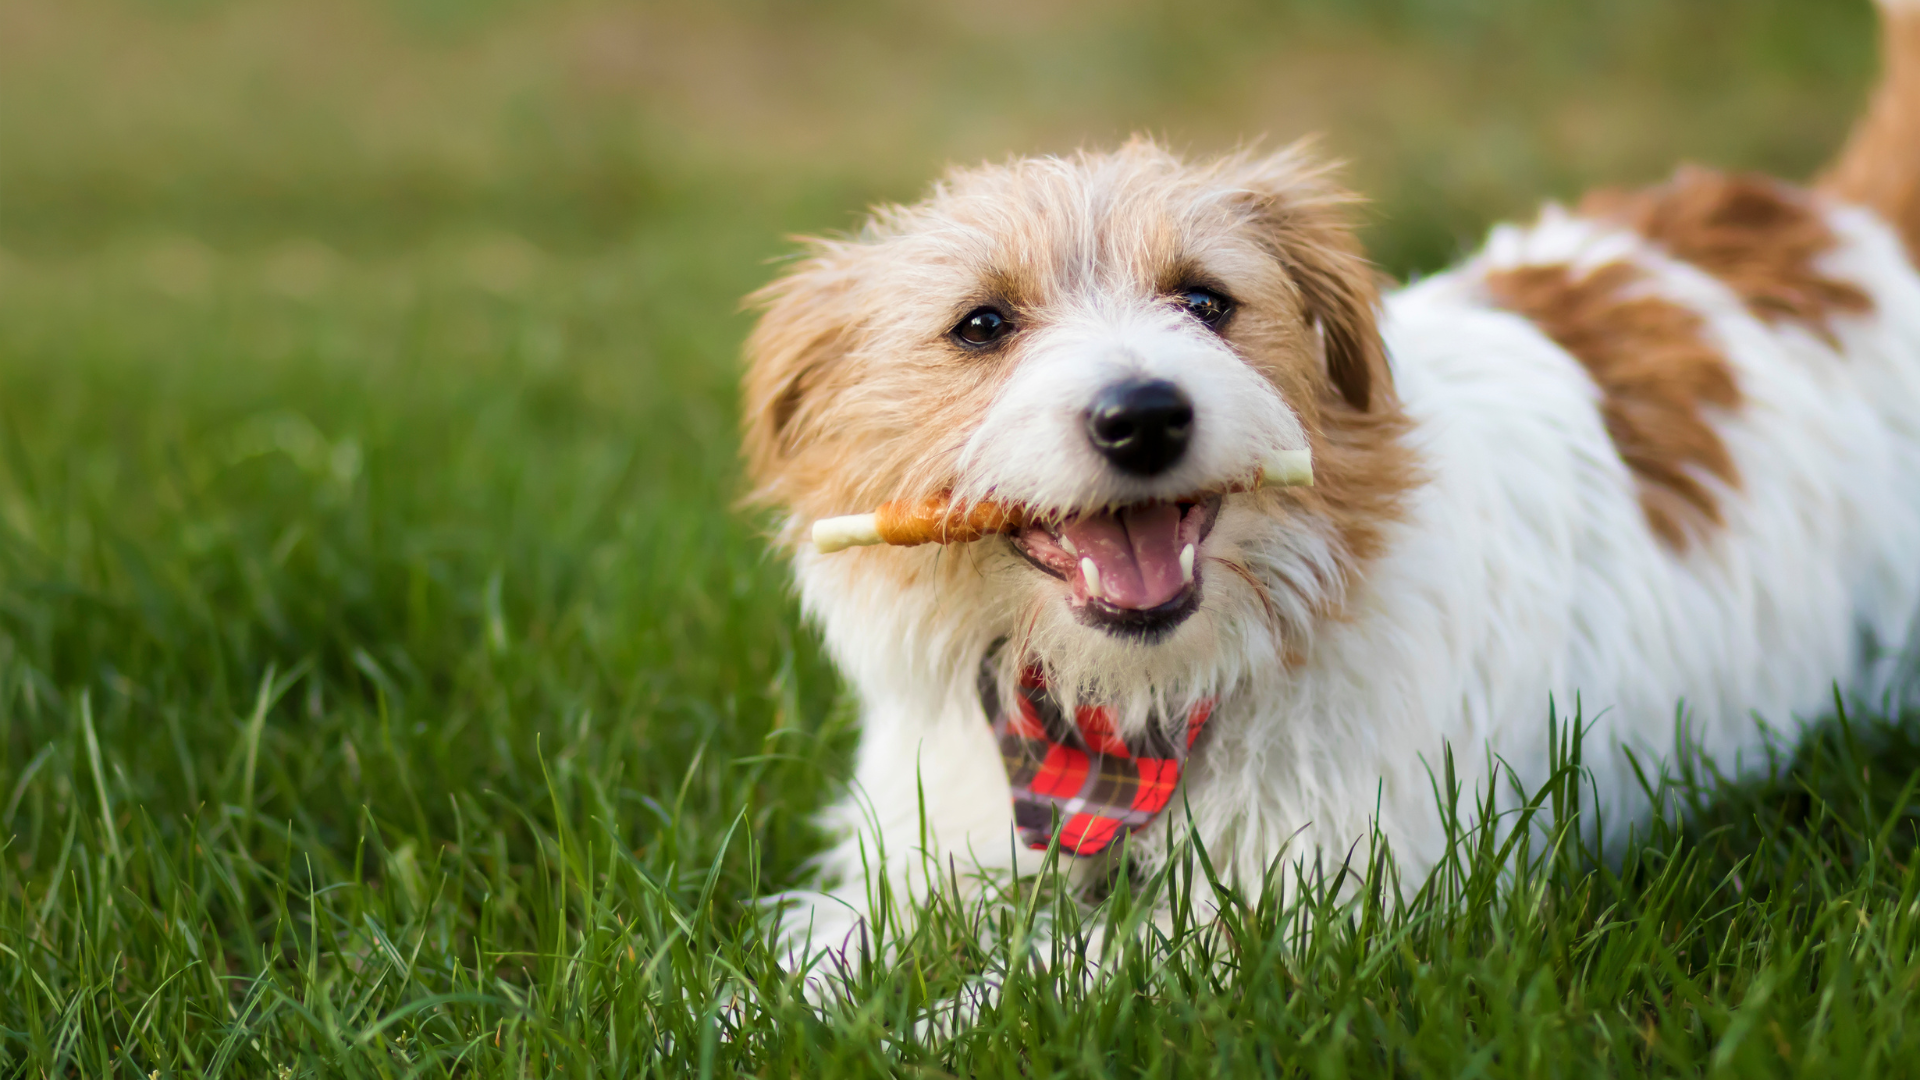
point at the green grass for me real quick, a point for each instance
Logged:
(388, 686)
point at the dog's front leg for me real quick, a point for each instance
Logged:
(928, 811)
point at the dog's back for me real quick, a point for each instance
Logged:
(1671, 441)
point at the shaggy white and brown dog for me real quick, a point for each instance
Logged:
(1658, 453)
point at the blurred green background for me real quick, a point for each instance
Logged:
(382, 356)
(578, 126)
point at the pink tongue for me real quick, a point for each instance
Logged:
(1136, 551)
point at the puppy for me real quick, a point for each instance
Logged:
(1658, 454)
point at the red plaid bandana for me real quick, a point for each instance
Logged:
(1099, 786)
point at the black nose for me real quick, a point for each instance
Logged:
(1142, 426)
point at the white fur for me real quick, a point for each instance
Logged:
(1523, 572)
(1032, 447)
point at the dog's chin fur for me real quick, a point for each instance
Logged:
(1657, 450)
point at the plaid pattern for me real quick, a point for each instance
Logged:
(1082, 774)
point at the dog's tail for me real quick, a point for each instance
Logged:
(1880, 167)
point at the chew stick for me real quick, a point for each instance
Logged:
(933, 520)
(936, 520)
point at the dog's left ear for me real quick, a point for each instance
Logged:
(1303, 218)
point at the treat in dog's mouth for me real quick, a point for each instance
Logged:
(938, 520)
(1134, 570)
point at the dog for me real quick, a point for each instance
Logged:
(1655, 457)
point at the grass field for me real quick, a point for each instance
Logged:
(388, 686)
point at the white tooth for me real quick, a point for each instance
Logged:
(1186, 564)
(1068, 544)
(1092, 573)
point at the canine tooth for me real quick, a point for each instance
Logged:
(1068, 545)
(1288, 468)
(1186, 564)
(1090, 572)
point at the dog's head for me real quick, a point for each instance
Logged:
(1109, 341)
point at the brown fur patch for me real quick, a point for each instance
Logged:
(1345, 395)
(1761, 237)
(1657, 376)
(1880, 167)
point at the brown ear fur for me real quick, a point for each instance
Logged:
(1337, 287)
(805, 328)
(1303, 214)
(1362, 466)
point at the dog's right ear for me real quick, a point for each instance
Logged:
(1337, 289)
(1302, 216)
(807, 326)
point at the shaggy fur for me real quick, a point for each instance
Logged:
(1663, 449)
(1659, 380)
(1764, 239)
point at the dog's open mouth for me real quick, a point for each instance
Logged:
(1133, 571)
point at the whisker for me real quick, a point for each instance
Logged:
(1026, 636)
(1259, 589)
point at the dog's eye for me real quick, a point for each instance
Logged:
(1207, 306)
(982, 326)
